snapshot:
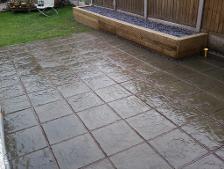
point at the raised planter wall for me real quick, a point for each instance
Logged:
(165, 44)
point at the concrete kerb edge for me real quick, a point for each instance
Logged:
(4, 162)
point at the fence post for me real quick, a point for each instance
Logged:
(200, 15)
(145, 9)
(115, 4)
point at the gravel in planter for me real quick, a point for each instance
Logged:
(171, 30)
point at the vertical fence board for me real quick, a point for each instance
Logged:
(133, 6)
(104, 3)
(213, 19)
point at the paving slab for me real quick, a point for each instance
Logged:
(20, 120)
(99, 82)
(112, 93)
(150, 124)
(178, 148)
(63, 128)
(77, 152)
(84, 101)
(98, 116)
(220, 153)
(73, 89)
(105, 164)
(129, 106)
(39, 159)
(116, 137)
(53, 110)
(44, 97)
(177, 115)
(141, 157)
(207, 163)
(15, 104)
(25, 141)
(206, 131)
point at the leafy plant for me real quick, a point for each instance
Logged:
(21, 4)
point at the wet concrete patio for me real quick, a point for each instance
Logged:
(95, 101)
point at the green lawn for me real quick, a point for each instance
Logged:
(25, 27)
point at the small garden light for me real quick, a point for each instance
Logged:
(205, 52)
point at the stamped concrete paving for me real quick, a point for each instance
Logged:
(95, 101)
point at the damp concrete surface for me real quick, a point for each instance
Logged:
(95, 101)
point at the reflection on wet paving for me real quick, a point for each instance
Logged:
(202, 129)
(93, 100)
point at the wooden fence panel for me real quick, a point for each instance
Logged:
(104, 3)
(133, 6)
(98, 2)
(177, 11)
(213, 19)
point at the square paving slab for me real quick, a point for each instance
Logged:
(207, 163)
(141, 157)
(116, 137)
(25, 141)
(20, 120)
(112, 93)
(73, 89)
(178, 148)
(104, 164)
(44, 97)
(98, 116)
(63, 129)
(150, 124)
(53, 110)
(95, 101)
(15, 104)
(84, 101)
(209, 133)
(128, 107)
(220, 153)
(77, 152)
(38, 159)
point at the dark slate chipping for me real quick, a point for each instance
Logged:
(171, 30)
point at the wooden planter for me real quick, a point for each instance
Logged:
(169, 45)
